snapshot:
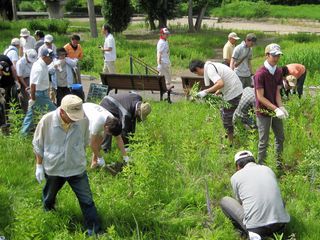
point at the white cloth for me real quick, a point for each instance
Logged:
(271, 69)
(27, 43)
(163, 49)
(23, 67)
(53, 48)
(66, 77)
(232, 84)
(39, 75)
(13, 53)
(109, 42)
(97, 116)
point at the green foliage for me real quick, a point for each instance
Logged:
(117, 14)
(36, 6)
(5, 25)
(50, 25)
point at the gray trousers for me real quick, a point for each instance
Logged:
(264, 123)
(246, 81)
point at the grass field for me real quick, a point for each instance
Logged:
(176, 152)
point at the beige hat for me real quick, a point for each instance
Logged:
(233, 35)
(292, 80)
(15, 41)
(273, 49)
(72, 105)
(242, 154)
(24, 32)
(144, 111)
(32, 55)
(48, 38)
(251, 37)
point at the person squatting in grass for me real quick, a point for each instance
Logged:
(224, 80)
(109, 50)
(102, 123)
(241, 60)
(258, 209)
(59, 144)
(267, 84)
(294, 75)
(128, 107)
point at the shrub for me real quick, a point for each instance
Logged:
(5, 25)
(50, 25)
(32, 6)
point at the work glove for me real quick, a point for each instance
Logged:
(31, 103)
(279, 113)
(101, 162)
(285, 111)
(39, 173)
(159, 67)
(126, 159)
(254, 236)
(202, 94)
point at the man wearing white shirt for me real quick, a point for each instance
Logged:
(26, 41)
(225, 81)
(12, 51)
(48, 43)
(109, 50)
(39, 85)
(163, 53)
(23, 67)
(101, 123)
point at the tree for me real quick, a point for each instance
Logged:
(161, 10)
(117, 14)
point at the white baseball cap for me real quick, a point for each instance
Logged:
(233, 35)
(48, 38)
(72, 105)
(242, 154)
(15, 41)
(32, 55)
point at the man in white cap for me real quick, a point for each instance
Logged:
(13, 51)
(258, 209)
(270, 110)
(26, 41)
(163, 56)
(23, 67)
(48, 43)
(109, 50)
(59, 144)
(128, 108)
(229, 47)
(39, 101)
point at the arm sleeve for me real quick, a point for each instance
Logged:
(38, 139)
(235, 53)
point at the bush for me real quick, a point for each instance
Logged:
(5, 25)
(32, 6)
(50, 25)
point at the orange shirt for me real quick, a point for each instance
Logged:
(78, 53)
(296, 69)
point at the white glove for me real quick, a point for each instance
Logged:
(101, 162)
(31, 103)
(39, 172)
(254, 236)
(159, 67)
(285, 111)
(279, 113)
(126, 159)
(202, 94)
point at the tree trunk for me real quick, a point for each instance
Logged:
(151, 22)
(200, 17)
(92, 19)
(14, 10)
(190, 19)
(162, 22)
(55, 9)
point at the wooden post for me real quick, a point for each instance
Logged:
(92, 19)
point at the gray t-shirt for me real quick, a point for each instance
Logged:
(242, 52)
(256, 187)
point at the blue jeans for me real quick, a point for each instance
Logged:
(80, 186)
(42, 104)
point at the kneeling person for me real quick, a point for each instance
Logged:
(259, 208)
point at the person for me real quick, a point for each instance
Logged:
(163, 56)
(270, 110)
(299, 73)
(74, 51)
(258, 209)
(246, 105)
(241, 60)
(13, 51)
(109, 50)
(23, 67)
(229, 47)
(39, 36)
(59, 144)
(63, 75)
(128, 108)
(26, 41)
(48, 43)
(225, 81)
(39, 85)
(101, 123)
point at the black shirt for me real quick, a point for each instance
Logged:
(6, 81)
